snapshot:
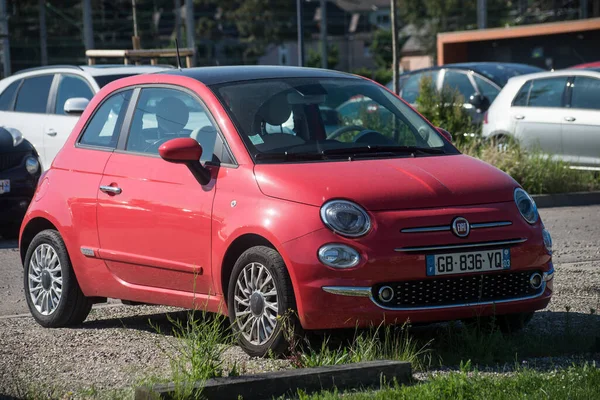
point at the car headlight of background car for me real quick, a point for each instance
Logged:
(346, 218)
(526, 206)
(32, 165)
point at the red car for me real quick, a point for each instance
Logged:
(220, 189)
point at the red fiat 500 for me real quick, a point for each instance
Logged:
(255, 190)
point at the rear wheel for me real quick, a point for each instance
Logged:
(51, 288)
(259, 296)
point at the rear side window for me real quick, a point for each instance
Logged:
(459, 81)
(586, 93)
(71, 86)
(105, 125)
(33, 95)
(410, 85)
(7, 97)
(522, 97)
(546, 92)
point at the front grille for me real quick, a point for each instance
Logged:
(10, 160)
(457, 290)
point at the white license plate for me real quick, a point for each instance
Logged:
(4, 186)
(463, 263)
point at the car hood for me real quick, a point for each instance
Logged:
(389, 184)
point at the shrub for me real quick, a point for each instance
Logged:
(380, 75)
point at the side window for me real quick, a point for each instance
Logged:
(586, 93)
(7, 97)
(410, 86)
(163, 114)
(459, 81)
(547, 92)
(485, 88)
(103, 129)
(71, 86)
(522, 97)
(33, 95)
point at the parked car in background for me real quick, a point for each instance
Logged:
(19, 173)
(594, 64)
(478, 82)
(198, 197)
(44, 103)
(557, 113)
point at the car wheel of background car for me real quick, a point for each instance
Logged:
(260, 293)
(507, 323)
(51, 289)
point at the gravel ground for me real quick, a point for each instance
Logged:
(117, 348)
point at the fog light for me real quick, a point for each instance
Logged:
(536, 280)
(386, 294)
(547, 240)
(338, 256)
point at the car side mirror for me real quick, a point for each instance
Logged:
(186, 151)
(445, 134)
(479, 101)
(75, 105)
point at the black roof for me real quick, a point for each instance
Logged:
(226, 74)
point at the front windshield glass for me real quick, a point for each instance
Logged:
(324, 118)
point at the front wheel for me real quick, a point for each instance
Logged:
(51, 288)
(259, 297)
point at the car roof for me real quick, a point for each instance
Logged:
(561, 72)
(237, 73)
(98, 70)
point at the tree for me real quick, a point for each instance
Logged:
(314, 57)
(381, 47)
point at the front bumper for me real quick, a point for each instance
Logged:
(329, 298)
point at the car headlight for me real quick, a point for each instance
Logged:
(32, 165)
(547, 240)
(17, 136)
(526, 206)
(346, 218)
(338, 256)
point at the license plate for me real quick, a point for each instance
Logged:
(4, 186)
(463, 263)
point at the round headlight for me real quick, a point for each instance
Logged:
(338, 256)
(345, 218)
(526, 206)
(32, 165)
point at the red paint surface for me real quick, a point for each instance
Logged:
(163, 240)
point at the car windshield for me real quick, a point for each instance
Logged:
(294, 119)
(501, 73)
(103, 80)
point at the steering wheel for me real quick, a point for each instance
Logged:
(344, 129)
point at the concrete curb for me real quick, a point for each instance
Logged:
(567, 199)
(275, 384)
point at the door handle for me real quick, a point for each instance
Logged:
(569, 119)
(111, 189)
(51, 132)
(519, 117)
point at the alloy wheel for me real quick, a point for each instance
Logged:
(45, 279)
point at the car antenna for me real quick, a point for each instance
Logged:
(178, 57)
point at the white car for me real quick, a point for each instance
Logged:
(44, 103)
(556, 112)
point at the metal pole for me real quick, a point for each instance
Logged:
(583, 4)
(395, 55)
(481, 14)
(43, 33)
(88, 28)
(189, 28)
(324, 34)
(134, 8)
(5, 40)
(178, 20)
(300, 28)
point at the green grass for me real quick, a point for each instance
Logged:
(576, 382)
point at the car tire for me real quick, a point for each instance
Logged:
(48, 269)
(506, 323)
(250, 302)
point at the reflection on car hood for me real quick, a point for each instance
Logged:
(389, 184)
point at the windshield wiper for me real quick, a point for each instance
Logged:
(381, 149)
(288, 156)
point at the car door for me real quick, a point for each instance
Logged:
(538, 110)
(30, 107)
(58, 124)
(154, 218)
(581, 122)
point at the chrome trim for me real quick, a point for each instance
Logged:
(460, 246)
(366, 292)
(532, 277)
(490, 224)
(356, 291)
(110, 189)
(442, 228)
(381, 289)
(426, 229)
